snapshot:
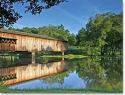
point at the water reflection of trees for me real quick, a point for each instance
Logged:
(105, 72)
(98, 72)
(58, 78)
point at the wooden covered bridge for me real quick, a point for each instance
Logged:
(18, 74)
(24, 42)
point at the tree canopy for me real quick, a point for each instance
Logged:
(9, 16)
(104, 31)
(58, 32)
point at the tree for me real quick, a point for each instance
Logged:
(105, 32)
(72, 39)
(9, 16)
(81, 37)
(53, 31)
(114, 38)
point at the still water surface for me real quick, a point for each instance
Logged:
(102, 72)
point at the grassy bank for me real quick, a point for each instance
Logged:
(90, 90)
(69, 56)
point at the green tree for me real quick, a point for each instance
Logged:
(53, 31)
(72, 39)
(105, 32)
(81, 37)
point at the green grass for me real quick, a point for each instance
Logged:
(69, 56)
(89, 90)
(6, 89)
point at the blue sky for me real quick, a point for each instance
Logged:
(73, 14)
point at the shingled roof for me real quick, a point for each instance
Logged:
(29, 34)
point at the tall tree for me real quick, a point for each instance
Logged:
(81, 37)
(72, 39)
(105, 31)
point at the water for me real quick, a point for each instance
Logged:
(90, 72)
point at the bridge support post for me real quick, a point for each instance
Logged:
(33, 57)
(62, 53)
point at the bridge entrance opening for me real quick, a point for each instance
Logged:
(7, 44)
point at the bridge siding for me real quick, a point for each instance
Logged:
(31, 71)
(29, 43)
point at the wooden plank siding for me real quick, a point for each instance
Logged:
(31, 43)
(17, 74)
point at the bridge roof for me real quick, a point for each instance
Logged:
(7, 38)
(29, 34)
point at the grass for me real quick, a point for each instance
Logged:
(4, 89)
(69, 56)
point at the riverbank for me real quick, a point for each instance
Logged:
(69, 56)
(89, 90)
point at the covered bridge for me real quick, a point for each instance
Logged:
(25, 42)
(18, 74)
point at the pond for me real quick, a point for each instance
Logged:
(91, 72)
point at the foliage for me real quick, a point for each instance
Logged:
(72, 39)
(58, 78)
(8, 14)
(81, 37)
(52, 31)
(101, 72)
(103, 33)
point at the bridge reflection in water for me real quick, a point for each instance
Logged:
(18, 74)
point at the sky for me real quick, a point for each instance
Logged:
(73, 14)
